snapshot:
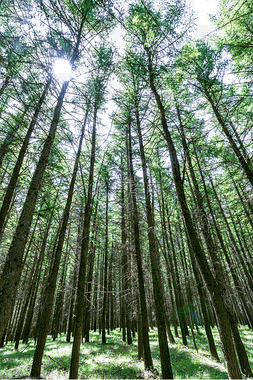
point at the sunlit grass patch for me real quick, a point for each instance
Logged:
(117, 360)
(14, 363)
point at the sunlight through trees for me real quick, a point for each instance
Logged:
(126, 180)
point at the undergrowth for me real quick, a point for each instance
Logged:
(117, 360)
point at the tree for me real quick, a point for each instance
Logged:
(208, 69)
(48, 297)
(102, 66)
(149, 27)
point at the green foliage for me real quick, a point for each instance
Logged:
(234, 21)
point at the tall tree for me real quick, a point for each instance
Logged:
(102, 67)
(48, 297)
(150, 28)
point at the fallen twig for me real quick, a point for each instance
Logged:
(65, 369)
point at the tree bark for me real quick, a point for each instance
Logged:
(14, 178)
(104, 310)
(144, 315)
(14, 262)
(212, 285)
(124, 262)
(155, 264)
(83, 260)
(52, 279)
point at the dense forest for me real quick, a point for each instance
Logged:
(126, 190)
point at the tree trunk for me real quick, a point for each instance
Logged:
(212, 285)
(83, 260)
(10, 137)
(14, 178)
(48, 302)
(124, 262)
(144, 315)
(227, 254)
(244, 164)
(14, 261)
(90, 274)
(155, 265)
(104, 310)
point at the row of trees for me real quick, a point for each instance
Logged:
(151, 226)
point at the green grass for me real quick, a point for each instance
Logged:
(117, 360)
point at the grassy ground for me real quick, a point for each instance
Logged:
(117, 360)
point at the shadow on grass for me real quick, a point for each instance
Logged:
(114, 360)
(185, 366)
(186, 362)
(109, 371)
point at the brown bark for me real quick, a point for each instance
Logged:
(211, 283)
(166, 246)
(15, 174)
(241, 352)
(48, 300)
(95, 298)
(90, 275)
(111, 294)
(244, 164)
(155, 263)
(234, 244)
(83, 260)
(59, 300)
(144, 315)
(105, 297)
(173, 268)
(139, 329)
(124, 262)
(227, 254)
(14, 262)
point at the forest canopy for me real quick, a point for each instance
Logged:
(126, 187)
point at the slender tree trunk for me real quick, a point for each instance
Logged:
(211, 283)
(244, 164)
(202, 296)
(166, 246)
(240, 349)
(48, 300)
(111, 295)
(59, 300)
(145, 337)
(139, 329)
(28, 280)
(155, 265)
(176, 283)
(90, 275)
(4, 147)
(224, 248)
(83, 260)
(125, 274)
(231, 236)
(247, 212)
(72, 303)
(14, 178)
(95, 298)
(105, 268)
(14, 262)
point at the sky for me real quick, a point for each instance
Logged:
(203, 8)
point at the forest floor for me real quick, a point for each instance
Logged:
(117, 360)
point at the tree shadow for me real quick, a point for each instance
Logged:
(184, 366)
(113, 360)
